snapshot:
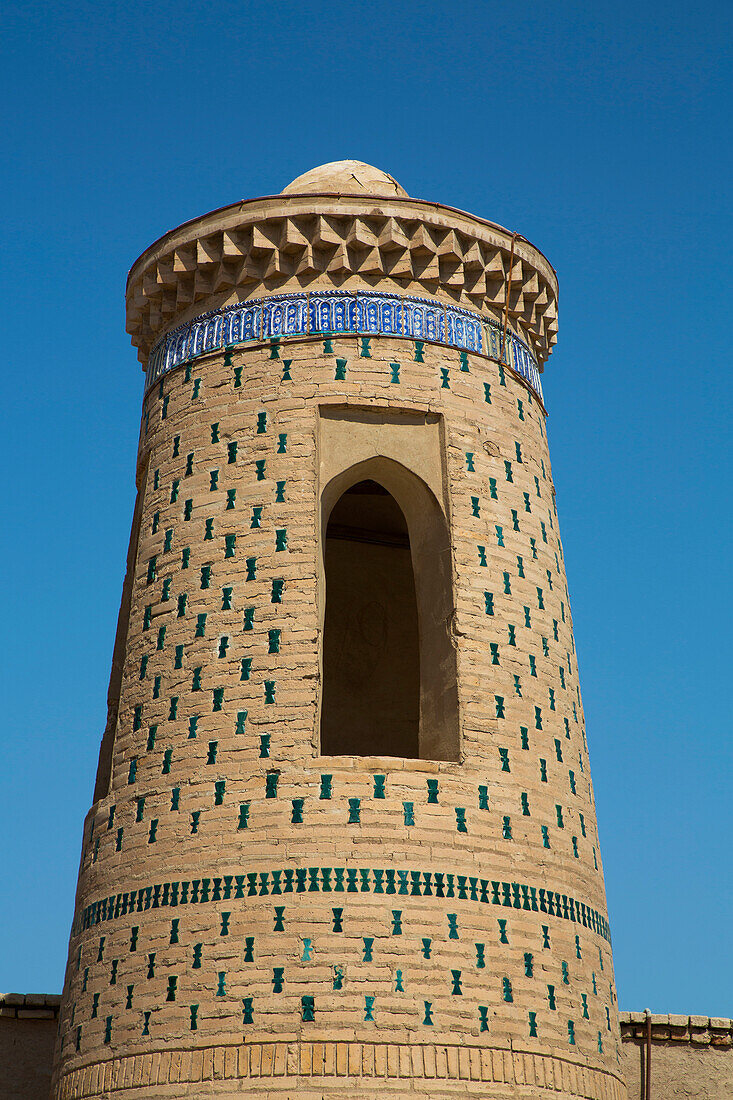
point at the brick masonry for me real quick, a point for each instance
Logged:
(692, 1056)
(249, 909)
(28, 1026)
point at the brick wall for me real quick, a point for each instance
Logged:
(28, 1025)
(691, 1057)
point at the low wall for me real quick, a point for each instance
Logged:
(27, 1036)
(691, 1057)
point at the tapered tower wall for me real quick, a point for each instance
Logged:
(253, 916)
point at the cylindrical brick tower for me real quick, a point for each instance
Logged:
(343, 839)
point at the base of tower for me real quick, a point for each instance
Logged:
(310, 1070)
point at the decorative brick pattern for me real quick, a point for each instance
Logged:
(438, 914)
(297, 1064)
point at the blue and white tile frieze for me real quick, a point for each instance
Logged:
(325, 313)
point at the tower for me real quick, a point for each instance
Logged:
(343, 837)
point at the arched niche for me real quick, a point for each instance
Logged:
(389, 685)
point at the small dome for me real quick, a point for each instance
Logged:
(346, 177)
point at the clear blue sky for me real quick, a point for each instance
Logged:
(602, 133)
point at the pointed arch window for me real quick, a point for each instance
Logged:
(388, 663)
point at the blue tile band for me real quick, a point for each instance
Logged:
(327, 313)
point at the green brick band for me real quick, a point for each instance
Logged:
(350, 880)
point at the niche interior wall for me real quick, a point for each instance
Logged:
(343, 837)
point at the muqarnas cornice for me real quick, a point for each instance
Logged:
(322, 241)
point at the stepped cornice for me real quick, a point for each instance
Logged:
(324, 241)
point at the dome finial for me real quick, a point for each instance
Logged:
(346, 177)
